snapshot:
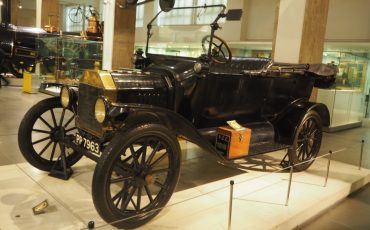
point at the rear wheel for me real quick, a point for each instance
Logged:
(307, 142)
(41, 130)
(137, 177)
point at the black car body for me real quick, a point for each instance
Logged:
(24, 46)
(19, 45)
(128, 121)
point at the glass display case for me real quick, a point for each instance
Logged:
(347, 99)
(64, 58)
(352, 68)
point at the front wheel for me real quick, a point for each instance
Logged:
(307, 142)
(40, 133)
(136, 176)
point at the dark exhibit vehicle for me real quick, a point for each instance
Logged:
(19, 46)
(129, 121)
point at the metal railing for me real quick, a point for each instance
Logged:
(231, 188)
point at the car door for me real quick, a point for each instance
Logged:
(220, 97)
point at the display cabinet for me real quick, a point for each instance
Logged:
(347, 99)
(64, 58)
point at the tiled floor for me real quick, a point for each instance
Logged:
(197, 170)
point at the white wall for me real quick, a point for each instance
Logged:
(260, 20)
(348, 20)
(289, 31)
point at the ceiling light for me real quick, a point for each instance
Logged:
(1, 3)
(20, 5)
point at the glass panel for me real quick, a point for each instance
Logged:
(140, 16)
(209, 15)
(346, 101)
(177, 17)
(65, 58)
(189, 17)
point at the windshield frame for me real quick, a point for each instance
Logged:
(214, 25)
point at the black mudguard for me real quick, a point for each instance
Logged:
(286, 123)
(135, 114)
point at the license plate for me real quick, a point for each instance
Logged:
(88, 144)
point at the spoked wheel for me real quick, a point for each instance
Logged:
(137, 176)
(307, 142)
(76, 14)
(41, 130)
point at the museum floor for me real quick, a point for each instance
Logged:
(201, 199)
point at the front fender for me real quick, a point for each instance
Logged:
(135, 114)
(286, 123)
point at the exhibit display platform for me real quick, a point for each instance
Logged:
(201, 200)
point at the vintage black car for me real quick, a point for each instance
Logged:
(19, 46)
(23, 47)
(129, 121)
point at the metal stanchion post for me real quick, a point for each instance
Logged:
(289, 185)
(327, 169)
(231, 203)
(361, 154)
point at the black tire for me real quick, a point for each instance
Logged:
(39, 134)
(307, 142)
(126, 170)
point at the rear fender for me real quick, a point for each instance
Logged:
(136, 114)
(287, 123)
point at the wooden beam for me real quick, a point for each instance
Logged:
(14, 12)
(313, 35)
(124, 37)
(314, 28)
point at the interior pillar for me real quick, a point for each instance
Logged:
(38, 13)
(124, 37)
(50, 8)
(300, 32)
(109, 15)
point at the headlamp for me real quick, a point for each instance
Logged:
(101, 110)
(65, 96)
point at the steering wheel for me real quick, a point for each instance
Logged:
(220, 51)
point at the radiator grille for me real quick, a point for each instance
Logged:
(86, 105)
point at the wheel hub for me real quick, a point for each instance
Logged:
(143, 177)
(57, 134)
(149, 179)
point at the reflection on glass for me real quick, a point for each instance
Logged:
(352, 68)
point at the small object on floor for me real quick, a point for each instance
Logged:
(91, 225)
(40, 208)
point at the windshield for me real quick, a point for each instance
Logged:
(180, 31)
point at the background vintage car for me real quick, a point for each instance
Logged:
(24, 46)
(19, 45)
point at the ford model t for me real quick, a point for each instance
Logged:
(129, 121)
